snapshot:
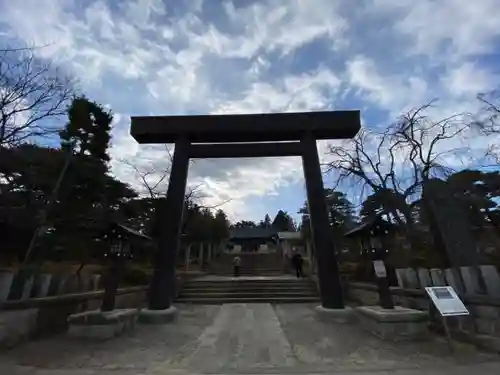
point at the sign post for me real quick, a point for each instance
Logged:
(447, 303)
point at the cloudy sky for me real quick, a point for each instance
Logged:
(142, 57)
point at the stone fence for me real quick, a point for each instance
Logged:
(38, 317)
(482, 280)
(482, 327)
(28, 318)
(46, 284)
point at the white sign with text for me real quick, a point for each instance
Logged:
(379, 267)
(446, 301)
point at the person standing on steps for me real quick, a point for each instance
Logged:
(236, 265)
(297, 262)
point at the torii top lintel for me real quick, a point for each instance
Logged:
(262, 127)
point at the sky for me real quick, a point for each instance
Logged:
(166, 57)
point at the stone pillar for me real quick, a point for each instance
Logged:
(471, 280)
(162, 287)
(424, 278)
(62, 284)
(28, 285)
(6, 278)
(42, 283)
(187, 257)
(328, 269)
(401, 276)
(492, 280)
(95, 279)
(412, 278)
(209, 252)
(438, 277)
(309, 256)
(201, 255)
(453, 279)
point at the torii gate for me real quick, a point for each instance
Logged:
(242, 135)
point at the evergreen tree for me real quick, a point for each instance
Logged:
(340, 209)
(88, 129)
(89, 198)
(283, 222)
(267, 221)
(220, 226)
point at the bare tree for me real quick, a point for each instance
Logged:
(154, 181)
(32, 93)
(487, 121)
(426, 142)
(369, 161)
(395, 163)
(488, 118)
(403, 156)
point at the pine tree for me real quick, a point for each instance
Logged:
(88, 129)
(89, 198)
(283, 222)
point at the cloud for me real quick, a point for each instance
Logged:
(451, 27)
(146, 57)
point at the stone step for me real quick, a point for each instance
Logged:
(214, 290)
(253, 280)
(249, 287)
(242, 270)
(241, 282)
(201, 289)
(240, 294)
(273, 300)
(246, 274)
(268, 291)
(254, 270)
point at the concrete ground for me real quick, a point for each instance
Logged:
(245, 339)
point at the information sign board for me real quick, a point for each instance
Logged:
(379, 267)
(446, 301)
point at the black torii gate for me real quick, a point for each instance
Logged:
(229, 136)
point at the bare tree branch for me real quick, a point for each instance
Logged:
(32, 95)
(395, 162)
(420, 136)
(488, 118)
(154, 182)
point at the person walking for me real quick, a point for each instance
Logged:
(298, 262)
(236, 265)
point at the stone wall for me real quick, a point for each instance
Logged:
(482, 326)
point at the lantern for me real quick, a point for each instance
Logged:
(372, 235)
(119, 250)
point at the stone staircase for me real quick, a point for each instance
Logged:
(218, 290)
(252, 264)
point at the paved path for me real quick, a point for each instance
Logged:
(244, 339)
